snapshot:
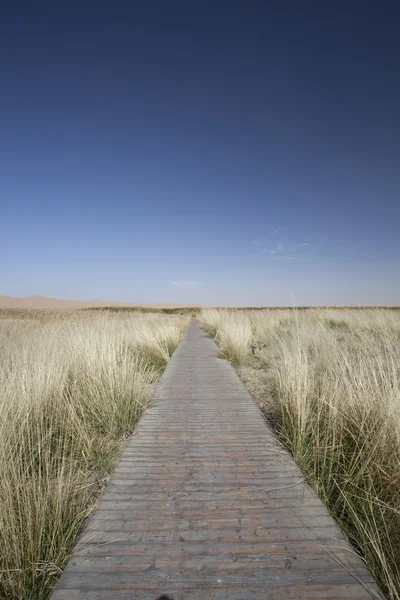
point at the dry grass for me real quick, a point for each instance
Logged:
(329, 384)
(71, 388)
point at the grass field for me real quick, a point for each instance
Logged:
(72, 386)
(328, 382)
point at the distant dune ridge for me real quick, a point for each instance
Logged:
(42, 303)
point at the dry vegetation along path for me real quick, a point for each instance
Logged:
(205, 504)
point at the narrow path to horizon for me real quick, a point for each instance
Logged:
(205, 504)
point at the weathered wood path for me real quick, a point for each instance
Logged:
(204, 504)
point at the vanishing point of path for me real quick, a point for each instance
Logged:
(205, 504)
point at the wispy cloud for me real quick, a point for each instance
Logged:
(278, 248)
(298, 246)
(187, 285)
(290, 253)
(256, 243)
(282, 252)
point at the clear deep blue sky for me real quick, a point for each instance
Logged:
(216, 152)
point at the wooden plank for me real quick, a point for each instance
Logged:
(205, 504)
(353, 591)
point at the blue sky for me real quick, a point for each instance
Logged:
(224, 153)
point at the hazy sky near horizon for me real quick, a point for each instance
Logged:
(221, 152)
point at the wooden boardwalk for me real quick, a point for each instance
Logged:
(204, 504)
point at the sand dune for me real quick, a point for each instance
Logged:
(41, 302)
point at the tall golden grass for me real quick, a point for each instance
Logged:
(328, 381)
(71, 388)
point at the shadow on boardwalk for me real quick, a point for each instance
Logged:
(205, 504)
